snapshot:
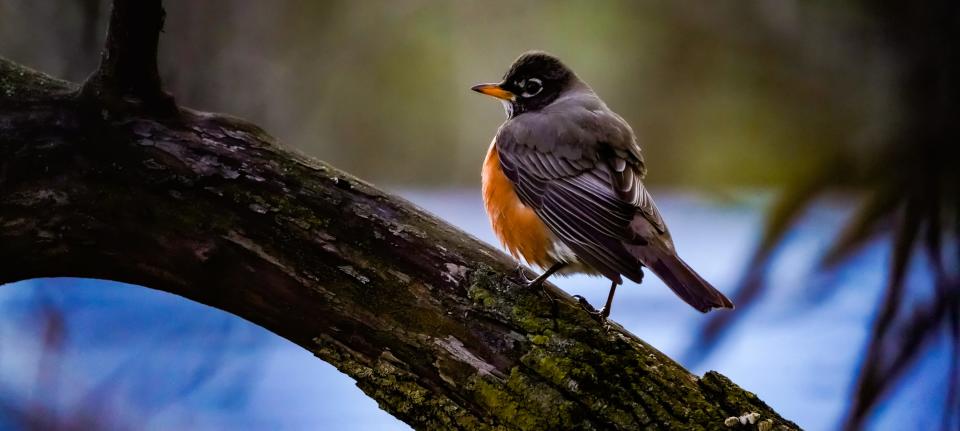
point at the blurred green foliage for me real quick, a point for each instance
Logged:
(721, 93)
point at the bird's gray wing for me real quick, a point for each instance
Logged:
(564, 170)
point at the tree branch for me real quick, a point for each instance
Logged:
(428, 320)
(128, 75)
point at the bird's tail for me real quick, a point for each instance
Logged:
(686, 283)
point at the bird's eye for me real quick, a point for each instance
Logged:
(532, 87)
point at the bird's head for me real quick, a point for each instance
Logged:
(534, 81)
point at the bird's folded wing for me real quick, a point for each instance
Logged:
(575, 188)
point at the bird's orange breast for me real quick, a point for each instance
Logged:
(519, 228)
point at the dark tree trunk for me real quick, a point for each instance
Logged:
(114, 181)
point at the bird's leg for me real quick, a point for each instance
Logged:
(606, 308)
(543, 277)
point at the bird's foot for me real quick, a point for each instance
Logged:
(585, 305)
(522, 273)
(598, 315)
(534, 283)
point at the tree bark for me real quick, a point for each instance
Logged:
(431, 323)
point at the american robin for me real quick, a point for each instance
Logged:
(562, 185)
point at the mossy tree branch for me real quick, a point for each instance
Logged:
(432, 323)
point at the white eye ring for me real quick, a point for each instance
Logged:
(523, 84)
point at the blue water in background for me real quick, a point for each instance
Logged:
(138, 358)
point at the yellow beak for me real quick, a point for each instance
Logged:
(494, 90)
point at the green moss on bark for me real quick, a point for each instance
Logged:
(19, 84)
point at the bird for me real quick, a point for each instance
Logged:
(562, 184)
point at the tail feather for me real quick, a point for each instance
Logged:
(686, 283)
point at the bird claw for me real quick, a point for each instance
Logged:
(584, 304)
(522, 273)
(534, 283)
(598, 315)
(531, 282)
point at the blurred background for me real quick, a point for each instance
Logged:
(804, 154)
